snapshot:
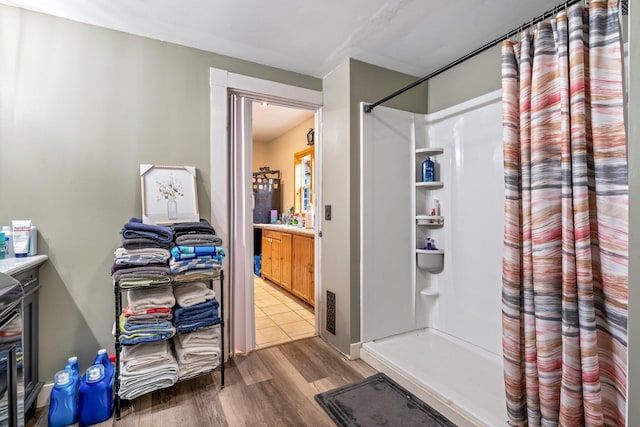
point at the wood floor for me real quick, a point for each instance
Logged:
(269, 387)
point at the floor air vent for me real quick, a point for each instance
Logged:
(331, 312)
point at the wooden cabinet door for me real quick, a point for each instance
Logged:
(276, 262)
(302, 284)
(285, 261)
(266, 256)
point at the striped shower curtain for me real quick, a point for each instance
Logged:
(565, 274)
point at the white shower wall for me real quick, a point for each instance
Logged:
(469, 302)
(445, 346)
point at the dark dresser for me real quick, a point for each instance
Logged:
(25, 270)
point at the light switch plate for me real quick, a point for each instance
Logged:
(327, 212)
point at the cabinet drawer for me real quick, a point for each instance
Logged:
(271, 234)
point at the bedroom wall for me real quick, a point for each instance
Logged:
(81, 107)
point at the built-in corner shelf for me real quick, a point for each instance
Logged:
(430, 184)
(430, 220)
(430, 151)
(429, 292)
(430, 260)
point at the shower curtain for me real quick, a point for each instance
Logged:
(565, 274)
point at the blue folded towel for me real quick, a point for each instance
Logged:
(199, 252)
(136, 229)
(202, 311)
(192, 326)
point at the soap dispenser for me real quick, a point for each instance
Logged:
(428, 170)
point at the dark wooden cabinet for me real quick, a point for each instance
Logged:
(30, 318)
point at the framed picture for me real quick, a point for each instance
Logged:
(168, 194)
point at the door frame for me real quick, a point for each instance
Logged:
(222, 82)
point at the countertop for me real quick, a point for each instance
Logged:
(292, 229)
(14, 265)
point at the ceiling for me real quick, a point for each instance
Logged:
(310, 37)
(271, 121)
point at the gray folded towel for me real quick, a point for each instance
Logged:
(149, 298)
(192, 293)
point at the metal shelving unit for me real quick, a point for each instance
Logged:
(118, 310)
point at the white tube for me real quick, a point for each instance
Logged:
(21, 237)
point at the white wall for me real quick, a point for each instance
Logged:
(469, 301)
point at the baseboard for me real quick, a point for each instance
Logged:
(354, 350)
(43, 397)
(427, 396)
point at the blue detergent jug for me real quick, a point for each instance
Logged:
(96, 393)
(63, 405)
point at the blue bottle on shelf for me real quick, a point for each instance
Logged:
(428, 170)
(63, 405)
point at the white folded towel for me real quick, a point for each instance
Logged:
(134, 384)
(146, 355)
(150, 298)
(192, 293)
(196, 354)
(202, 337)
(194, 361)
(141, 256)
(192, 370)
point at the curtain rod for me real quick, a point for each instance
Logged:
(369, 107)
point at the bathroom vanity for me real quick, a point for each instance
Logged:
(25, 271)
(288, 258)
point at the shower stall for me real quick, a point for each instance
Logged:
(431, 319)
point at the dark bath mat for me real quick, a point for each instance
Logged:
(378, 401)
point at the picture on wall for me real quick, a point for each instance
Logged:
(169, 194)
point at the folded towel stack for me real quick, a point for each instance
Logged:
(192, 293)
(187, 319)
(142, 259)
(195, 234)
(197, 352)
(153, 235)
(147, 317)
(146, 367)
(142, 256)
(198, 254)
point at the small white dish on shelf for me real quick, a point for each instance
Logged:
(435, 220)
(430, 184)
(430, 150)
(430, 260)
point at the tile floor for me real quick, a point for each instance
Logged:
(280, 317)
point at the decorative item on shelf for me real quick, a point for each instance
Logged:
(168, 194)
(311, 137)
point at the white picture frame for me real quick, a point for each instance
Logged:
(169, 194)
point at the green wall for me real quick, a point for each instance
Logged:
(80, 108)
(343, 90)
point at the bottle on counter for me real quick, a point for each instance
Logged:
(8, 241)
(2, 246)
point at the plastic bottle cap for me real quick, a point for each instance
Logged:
(73, 359)
(102, 351)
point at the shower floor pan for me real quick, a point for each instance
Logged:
(460, 380)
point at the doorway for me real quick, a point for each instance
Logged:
(283, 146)
(232, 199)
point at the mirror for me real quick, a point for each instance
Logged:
(303, 167)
